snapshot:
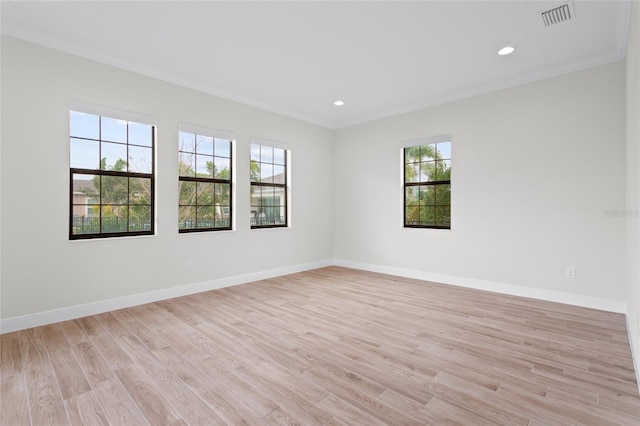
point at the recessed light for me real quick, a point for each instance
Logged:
(507, 50)
(338, 103)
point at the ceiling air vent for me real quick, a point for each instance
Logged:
(558, 14)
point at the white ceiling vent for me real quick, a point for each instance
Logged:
(558, 14)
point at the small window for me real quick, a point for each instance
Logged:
(204, 181)
(268, 186)
(111, 177)
(427, 185)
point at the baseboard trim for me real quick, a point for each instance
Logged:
(72, 312)
(634, 355)
(497, 287)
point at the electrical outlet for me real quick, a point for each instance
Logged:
(189, 266)
(571, 272)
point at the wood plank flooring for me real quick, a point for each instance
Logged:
(332, 346)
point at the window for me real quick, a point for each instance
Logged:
(111, 176)
(427, 184)
(268, 186)
(204, 180)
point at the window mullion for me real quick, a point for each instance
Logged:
(205, 212)
(116, 192)
(426, 205)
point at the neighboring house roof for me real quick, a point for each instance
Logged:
(83, 186)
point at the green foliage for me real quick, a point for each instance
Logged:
(203, 204)
(128, 199)
(425, 164)
(427, 205)
(255, 171)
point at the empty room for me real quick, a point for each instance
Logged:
(320, 213)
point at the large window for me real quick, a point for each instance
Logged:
(205, 180)
(268, 186)
(427, 184)
(111, 176)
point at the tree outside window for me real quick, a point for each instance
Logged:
(427, 185)
(204, 182)
(112, 164)
(268, 186)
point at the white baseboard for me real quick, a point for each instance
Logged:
(78, 311)
(510, 289)
(56, 315)
(72, 312)
(635, 357)
(513, 290)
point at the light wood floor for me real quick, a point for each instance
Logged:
(332, 346)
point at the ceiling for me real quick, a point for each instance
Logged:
(297, 58)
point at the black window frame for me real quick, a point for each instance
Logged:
(207, 180)
(283, 186)
(435, 184)
(101, 173)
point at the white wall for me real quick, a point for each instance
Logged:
(535, 168)
(42, 270)
(633, 181)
